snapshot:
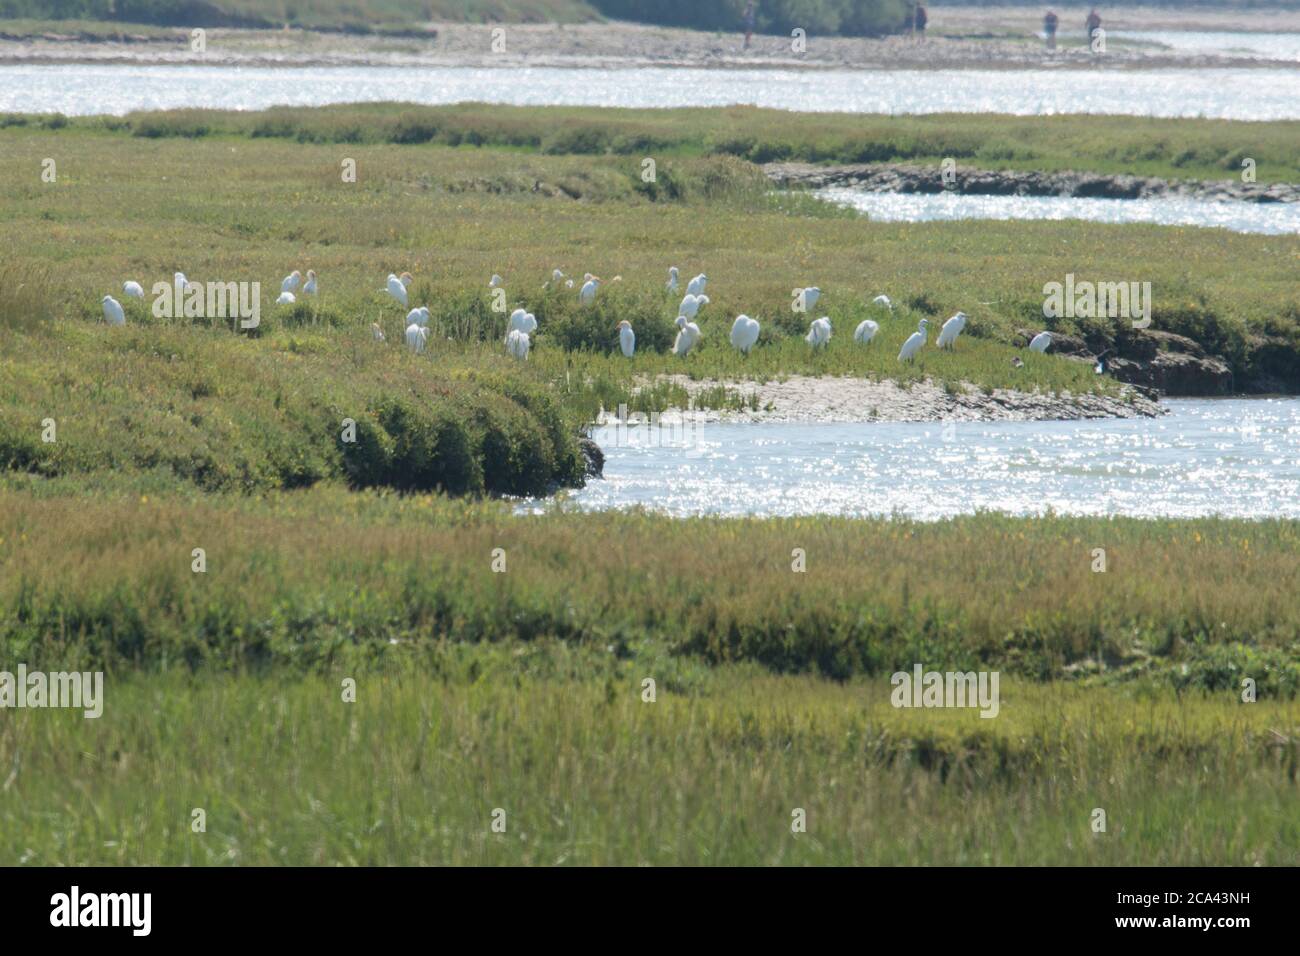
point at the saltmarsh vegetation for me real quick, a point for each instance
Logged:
(521, 689)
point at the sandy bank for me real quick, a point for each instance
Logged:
(974, 39)
(841, 399)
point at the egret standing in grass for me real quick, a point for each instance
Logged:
(865, 332)
(744, 333)
(672, 280)
(495, 281)
(290, 282)
(914, 342)
(696, 285)
(588, 293)
(309, 287)
(1040, 342)
(397, 286)
(133, 289)
(415, 337)
(951, 329)
(518, 344)
(691, 305)
(626, 338)
(808, 297)
(883, 300)
(113, 313)
(418, 317)
(687, 336)
(819, 333)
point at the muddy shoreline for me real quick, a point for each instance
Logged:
(911, 178)
(809, 399)
(960, 38)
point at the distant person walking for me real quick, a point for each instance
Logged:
(1093, 24)
(919, 20)
(749, 22)
(1049, 28)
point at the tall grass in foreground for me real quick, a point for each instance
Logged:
(314, 580)
(587, 773)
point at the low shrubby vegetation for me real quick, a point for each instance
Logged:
(1172, 148)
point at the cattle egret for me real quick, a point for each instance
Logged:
(696, 285)
(521, 321)
(691, 305)
(819, 332)
(951, 329)
(397, 289)
(672, 280)
(588, 293)
(495, 281)
(286, 298)
(744, 333)
(866, 331)
(113, 313)
(687, 337)
(809, 296)
(517, 344)
(1040, 342)
(133, 289)
(290, 282)
(309, 287)
(415, 337)
(626, 338)
(914, 342)
(556, 275)
(883, 300)
(418, 317)
(376, 332)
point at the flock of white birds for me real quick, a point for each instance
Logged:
(522, 324)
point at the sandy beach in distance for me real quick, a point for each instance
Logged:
(803, 398)
(959, 37)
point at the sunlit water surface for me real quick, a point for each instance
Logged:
(916, 207)
(80, 89)
(1231, 457)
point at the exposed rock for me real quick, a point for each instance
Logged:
(909, 178)
(1175, 373)
(593, 457)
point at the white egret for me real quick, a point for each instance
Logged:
(809, 296)
(290, 282)
(418, 317)
(691, 305)
(696, 285)
(495, 281)
(397, 288)
(866, 331)
(521, 321)
(819, 332)
(951, 329)
(517, 344)
(309, 287)
(286, 298)
(883, 300)
(113, 313)
(688, 335)
(672, 280)
(1040, 342)
(588, 293)
(415, 337)
(914, 342)
(744, 333)
(133, 289)
(626, 338)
